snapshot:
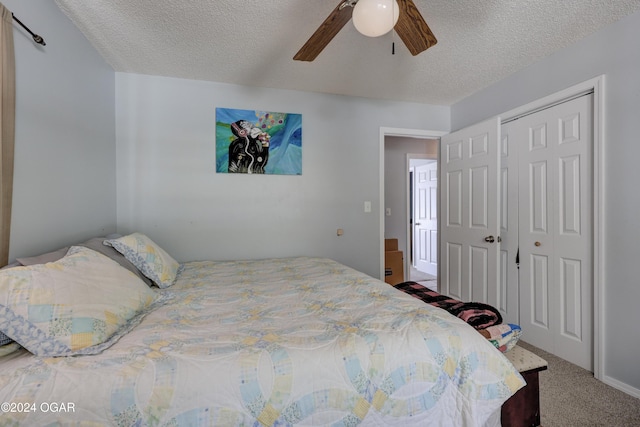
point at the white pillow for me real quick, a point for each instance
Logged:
(150, 258)
(80, 304)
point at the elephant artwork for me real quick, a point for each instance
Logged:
(249, 152)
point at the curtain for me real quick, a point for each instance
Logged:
(7, 128)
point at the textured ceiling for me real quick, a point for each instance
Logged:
(252, 42)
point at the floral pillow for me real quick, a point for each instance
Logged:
(150, 258)
(80, 304)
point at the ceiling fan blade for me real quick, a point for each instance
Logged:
(325, 33)
(413, 29)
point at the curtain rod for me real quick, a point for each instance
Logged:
(36, 38)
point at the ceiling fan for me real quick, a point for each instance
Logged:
(411, 27)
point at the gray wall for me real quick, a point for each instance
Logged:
(64, 178)
(614, 52)
(168, 187)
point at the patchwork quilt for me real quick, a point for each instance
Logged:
(277, 342)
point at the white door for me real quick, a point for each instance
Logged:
(470, 218)
(555, 232)
(509, 301)
(425, 217)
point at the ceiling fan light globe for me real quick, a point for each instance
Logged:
(374, 18)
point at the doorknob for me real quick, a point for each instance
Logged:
(417, 223)
(489, 239)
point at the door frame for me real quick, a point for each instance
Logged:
(407, 133)
(597, 86)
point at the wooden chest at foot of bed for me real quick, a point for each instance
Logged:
(523, 408)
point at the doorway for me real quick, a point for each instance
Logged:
(396, 145)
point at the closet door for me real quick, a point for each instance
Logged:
(509, 301)
(555, 230)
(470, 216)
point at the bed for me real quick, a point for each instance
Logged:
(273, 342)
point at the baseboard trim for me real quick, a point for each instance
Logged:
(621, 386)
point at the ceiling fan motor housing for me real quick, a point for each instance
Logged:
(374, 18)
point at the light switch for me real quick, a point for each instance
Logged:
(388, 211)
(367, 206)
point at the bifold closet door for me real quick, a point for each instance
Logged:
(469, 215)
(509, 301)
(555, 229)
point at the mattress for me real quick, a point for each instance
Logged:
(274, 342)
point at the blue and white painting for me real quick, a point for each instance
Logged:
(258, 142)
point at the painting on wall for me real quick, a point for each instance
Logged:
(258, 142)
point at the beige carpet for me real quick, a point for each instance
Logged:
(571, 396)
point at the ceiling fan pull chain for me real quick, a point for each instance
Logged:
(393, 32)
(393, 41)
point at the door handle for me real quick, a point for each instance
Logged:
(489, 239)
(417, 223)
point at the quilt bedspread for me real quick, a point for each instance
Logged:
(297, 341)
